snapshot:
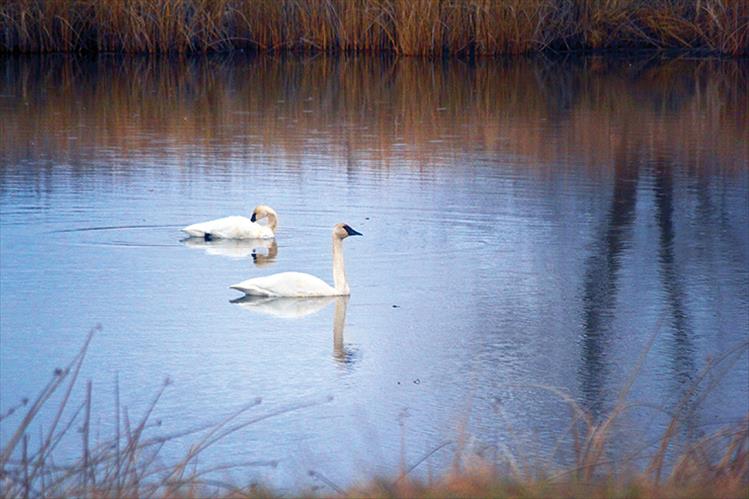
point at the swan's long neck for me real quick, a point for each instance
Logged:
(272, 221)
(339, 272)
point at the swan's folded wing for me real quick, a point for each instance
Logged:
(243, 228)
(291, 284)
(213, 227)
(234, 227)
(195, 230)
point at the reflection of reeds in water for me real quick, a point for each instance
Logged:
(370, 108)
(412, 27)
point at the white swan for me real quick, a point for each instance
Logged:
(237, 227)
(299, 285)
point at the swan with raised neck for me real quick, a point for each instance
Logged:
(299, 285)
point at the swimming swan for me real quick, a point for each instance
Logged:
(237, 227)
(299, 285)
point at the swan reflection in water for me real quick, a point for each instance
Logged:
(237, 248)
(295, 308)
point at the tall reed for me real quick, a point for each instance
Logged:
(130, 463)
(127, 464)
(407, 27)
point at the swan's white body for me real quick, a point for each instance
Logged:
(300, 285)
(236, 227)
(288, 284)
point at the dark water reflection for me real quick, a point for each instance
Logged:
(528, 222)
(601, 273)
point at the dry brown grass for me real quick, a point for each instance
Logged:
(408, 27)
(129, 462)
(129, 465)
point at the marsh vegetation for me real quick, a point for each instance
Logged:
(408, 27)
(127, 463)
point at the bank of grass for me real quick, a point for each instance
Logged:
(129, 463)
(408, 27)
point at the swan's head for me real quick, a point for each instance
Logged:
(262, 211)
(342, 231)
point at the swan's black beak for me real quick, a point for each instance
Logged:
(253, 217)
(351, 232)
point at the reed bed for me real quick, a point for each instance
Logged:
(406, 27)
(128, 464)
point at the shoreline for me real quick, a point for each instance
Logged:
(635, 52)
(670, 54)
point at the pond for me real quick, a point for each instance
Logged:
(576, 223)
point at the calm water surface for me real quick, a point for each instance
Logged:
(526, 222)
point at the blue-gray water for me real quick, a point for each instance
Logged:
(526, 223)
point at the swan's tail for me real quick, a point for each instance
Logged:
(192, 231)
(250, 289)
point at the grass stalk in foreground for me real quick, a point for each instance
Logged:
(130, 464)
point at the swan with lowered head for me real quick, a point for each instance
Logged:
(299, 285)
(237, 227)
